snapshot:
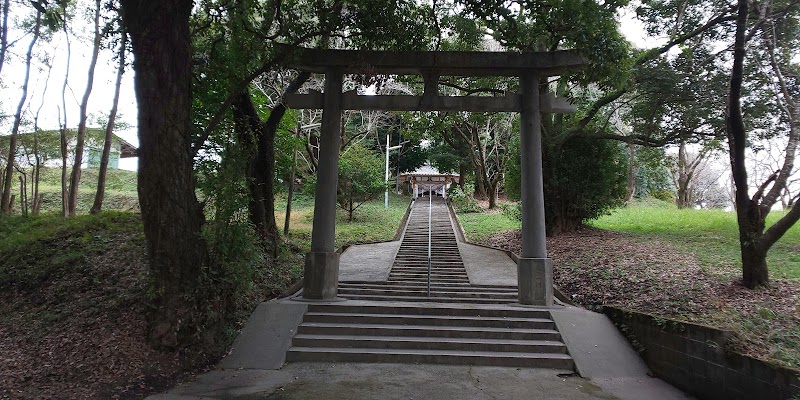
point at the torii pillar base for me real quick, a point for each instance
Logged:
(535, 279)
(321, 277)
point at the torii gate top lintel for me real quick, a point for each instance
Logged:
(440, 63)
(431, 65)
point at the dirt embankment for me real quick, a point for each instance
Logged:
(596, 267)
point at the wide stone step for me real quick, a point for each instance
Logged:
(442, 310)
(452, 357)
(429, 331)
(459, 299)
(422, 236)
(412, 282)
(416, 285)
(422, 343)
(423, 252)
(424, 271)
(434, 281)
(449, 244)
(454, 258)
(434, 293)
(414, 238)
(458, 284)
(436, 320)
(441, 263)
(424, 267)
(423, 277)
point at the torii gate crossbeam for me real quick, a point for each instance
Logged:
(535, 269)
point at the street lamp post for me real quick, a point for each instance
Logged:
(388, 149)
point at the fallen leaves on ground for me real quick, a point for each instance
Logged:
(82, 335)
(596, 267)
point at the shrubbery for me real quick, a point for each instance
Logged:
(512, 210)
(462, 200)
(583, 178)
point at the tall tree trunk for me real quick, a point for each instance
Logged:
(75, 178)
(62, 118)
(683, 182)
(23, 192)
(5, 199)
(172, 216)
(37, 168)
(249, 129)
(109, 138)
(630, 189)
(351, 210)
(752, 212)
(751, 223)
(261, 169)
(290, 192)
(4, 34)
(493, 194)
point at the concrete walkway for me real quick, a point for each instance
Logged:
(303, 381)
(607, 366)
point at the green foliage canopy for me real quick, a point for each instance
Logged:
(361, 177)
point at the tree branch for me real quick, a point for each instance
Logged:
(778, 229)
(216, 119)
(642, 59)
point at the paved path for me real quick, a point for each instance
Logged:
(255, 369)
(343, 381)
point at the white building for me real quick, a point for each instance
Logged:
(427, 179)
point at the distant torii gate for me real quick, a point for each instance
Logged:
(535, 269)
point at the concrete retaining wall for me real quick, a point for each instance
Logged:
(694, 359)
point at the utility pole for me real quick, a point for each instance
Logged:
(388, 149)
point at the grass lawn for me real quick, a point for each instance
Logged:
(371, 222)
(711, 235)
(481, 226)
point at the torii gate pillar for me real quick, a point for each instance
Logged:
(321, 271)
(534, 270)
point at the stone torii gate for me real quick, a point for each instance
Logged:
(535, 269)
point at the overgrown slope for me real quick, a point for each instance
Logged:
(74, 294)
(72, 308)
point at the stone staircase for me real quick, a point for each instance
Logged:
(430, 334)
(397, 322)
(408, 278)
